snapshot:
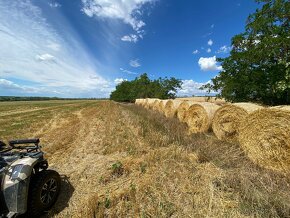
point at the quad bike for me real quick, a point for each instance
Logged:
(26, 185)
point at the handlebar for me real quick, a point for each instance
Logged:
(24, 141)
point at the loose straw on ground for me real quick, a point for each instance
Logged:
(171, 107)
(199, 116)
(227, 119)
(265, 137)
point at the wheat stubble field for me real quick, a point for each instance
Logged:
(120, 160)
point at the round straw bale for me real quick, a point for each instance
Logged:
(199, 116)
(227, 118)
(181, 110)
(171, 107)
(265, 137)
(138, 101)
(161, 105)
(156, 105)
(149, 103)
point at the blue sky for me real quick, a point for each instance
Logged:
(83, 48)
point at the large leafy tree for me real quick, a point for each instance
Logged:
(143, 87)
(258, 68)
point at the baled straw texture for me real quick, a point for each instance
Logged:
(171, 107)
(144, 102)
(138, 101)
(265, 137)
(181, 110)
(199, 116)
(155, 106)
(227, 119)
(161, 105)
(150, 102)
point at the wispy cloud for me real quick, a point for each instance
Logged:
(208, 50)
(54, 4)
(195, 52)
(117, 81)
(130, 38)
(45, 57)
(7, 84)
(127, 11)
(128, 71)
(224, 49)
(33, 51)
(135, 63)
(209, 64)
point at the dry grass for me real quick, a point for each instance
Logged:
(227, 120)
(125, 161)
(265, 136)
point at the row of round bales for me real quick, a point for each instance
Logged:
(262, 132)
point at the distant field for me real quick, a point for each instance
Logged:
(204, 99)
(125, 161)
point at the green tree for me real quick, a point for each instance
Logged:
(143, 87)
(257, 69)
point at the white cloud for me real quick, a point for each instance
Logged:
(195, 52)
(33, 52)
(209, 64)
(127, 11)
(130, 38)
(117, 81)
(128, 71)
(210, 42)
(135, 63)
(54, 46)
(54, 4)
(224, 49)
(208, 50)
(191, 87)
(45, 57)
(6, 84)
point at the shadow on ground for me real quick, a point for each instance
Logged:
(62, 202)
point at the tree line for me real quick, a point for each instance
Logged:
(143, 87)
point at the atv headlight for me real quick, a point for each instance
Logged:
(16, 171)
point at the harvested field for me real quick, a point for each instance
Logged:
(125, 161)
(265, 136)
(227, 120)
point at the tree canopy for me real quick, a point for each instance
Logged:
(257, 69)
(143, 87)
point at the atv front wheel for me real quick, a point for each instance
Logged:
(43, 192)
